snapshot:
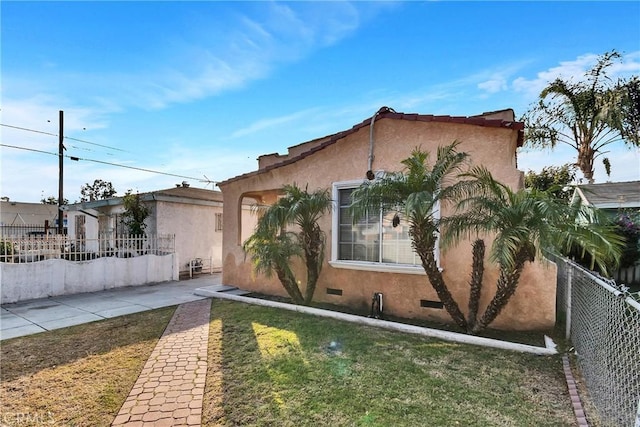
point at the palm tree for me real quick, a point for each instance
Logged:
(587, 115)
(525, 224)
(416, 194)
(271, 251)
(303, 209)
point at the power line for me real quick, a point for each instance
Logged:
(29, 130)
(29, 149)
(94, 143)
(208, 181)
(66, 137)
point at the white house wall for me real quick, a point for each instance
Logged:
(55, 277)
(194, 228)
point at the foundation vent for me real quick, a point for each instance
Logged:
(425, 303)
(331, 291)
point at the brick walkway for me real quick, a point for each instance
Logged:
(171, 385)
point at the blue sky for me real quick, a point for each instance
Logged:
(203, 88)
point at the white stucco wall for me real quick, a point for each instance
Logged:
(20, 282)
(194, 228)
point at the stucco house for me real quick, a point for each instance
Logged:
(378, 257)
(193, 215)
(20, 218)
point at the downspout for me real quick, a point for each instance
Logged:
(370, 174)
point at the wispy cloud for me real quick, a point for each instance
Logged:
(218, 56)
(575, 69)
(264, 124)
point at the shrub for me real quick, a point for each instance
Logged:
(628, 226)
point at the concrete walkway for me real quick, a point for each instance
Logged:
(170, 388)
(30, 317)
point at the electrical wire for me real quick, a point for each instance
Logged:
(75, 158)
(96, 144)
(28, 130)
(66, 137)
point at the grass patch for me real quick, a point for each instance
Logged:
(76, 376)
(535, 338)
(275, 367)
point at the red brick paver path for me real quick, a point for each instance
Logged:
(171, 385)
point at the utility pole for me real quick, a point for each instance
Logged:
(61, 174)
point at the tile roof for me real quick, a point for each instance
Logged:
(484, 119)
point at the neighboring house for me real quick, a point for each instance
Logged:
(614, 198)
(610, 196)
(18, 218)
(193, 215)
(378, 258)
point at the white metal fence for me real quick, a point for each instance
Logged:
(21, 249)
(603, 323)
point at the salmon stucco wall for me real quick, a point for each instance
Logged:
(406, 293)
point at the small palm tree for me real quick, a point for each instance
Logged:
(273, 247)
(526, 224)
(416, 193)
(271, 251)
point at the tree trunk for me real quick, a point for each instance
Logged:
(506, 287)
(585, 160)
(289, 283)
(424, 243)
(312, 280)
(313, 247)
(477, 272)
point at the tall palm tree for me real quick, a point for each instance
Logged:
(416, 193)
(525, 224)
(587, 115)
(302, 209)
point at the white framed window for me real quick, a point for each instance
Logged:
(372, 243)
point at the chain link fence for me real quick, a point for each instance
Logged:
(603, 323)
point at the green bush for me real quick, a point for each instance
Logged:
(628, 226)
(6, 248)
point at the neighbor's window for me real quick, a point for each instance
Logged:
(372, 239)
(218, 222)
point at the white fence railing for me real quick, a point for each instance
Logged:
(628, 275)
(603, 324)
(21, 249)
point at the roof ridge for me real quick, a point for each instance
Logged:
(389, 113)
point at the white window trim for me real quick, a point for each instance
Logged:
(378, 266)
(366, 265)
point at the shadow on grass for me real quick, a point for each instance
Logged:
(79, 375)
(32, 353)
(274, 367)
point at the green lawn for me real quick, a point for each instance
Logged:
(269, 367)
